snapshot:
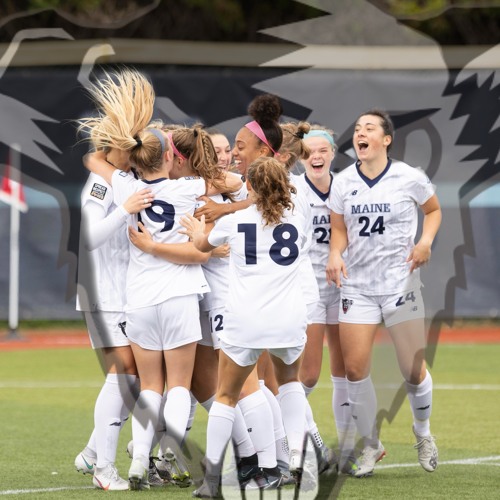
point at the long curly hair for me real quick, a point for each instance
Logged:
(272, 189)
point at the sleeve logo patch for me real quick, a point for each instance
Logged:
(98, 191)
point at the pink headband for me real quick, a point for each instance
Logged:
(257, 130)
(176, 151)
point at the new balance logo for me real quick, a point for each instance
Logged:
(345, 404)
(115, 424)
(424, 407)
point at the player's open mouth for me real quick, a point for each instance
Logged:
(362, 145)
(317, 165)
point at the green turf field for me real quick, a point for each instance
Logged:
(47, 399)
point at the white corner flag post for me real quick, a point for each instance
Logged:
(12, 194)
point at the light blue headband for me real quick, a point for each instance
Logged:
(158, 133)
(320, 133)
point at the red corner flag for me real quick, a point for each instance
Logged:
(12, 192)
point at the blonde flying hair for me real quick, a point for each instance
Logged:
(293, 143)
(272, 189)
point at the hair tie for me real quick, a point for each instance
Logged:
(159, 135)
(138, 142)
(320, 133)
(299, 134)
(195, 132)
(256, 129)
(175, 150)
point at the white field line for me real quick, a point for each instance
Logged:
(439, 387)
(460, 461)
(464, 461)
(45, 490)
(29, 384)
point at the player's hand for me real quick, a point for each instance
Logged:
(211, 210)
(139, 201)
(192, 225)
(142, 239)
(335, 269)
(419, 256)
(221, 251)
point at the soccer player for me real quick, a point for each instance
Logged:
(102, 263)
(265, 241)
(374, 207)
(294, 151)
(317, 181)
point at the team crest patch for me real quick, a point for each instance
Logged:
(98, 191)
(346, 304)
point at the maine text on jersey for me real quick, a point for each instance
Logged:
(371, 208)
(321, 219)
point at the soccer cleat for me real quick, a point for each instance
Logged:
(248, 468)
(327, 459)
(304, 469)
(84, 463)
(427, 452)
(138, 476)
(154, 479)
(367, 460)
(107, 479)
(347, 464)
(265, 479)
(296, 462)
(209, 488)
(179, 473)
(286, 476)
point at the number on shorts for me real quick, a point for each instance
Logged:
(218, 326)
(410, 296)
(285, 237)
(378, 226)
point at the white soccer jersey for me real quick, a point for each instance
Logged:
(319, 230)
(303, 210)
(216, 274)
(381, 216)
(265, 305)
(152, 280)
(101, 272)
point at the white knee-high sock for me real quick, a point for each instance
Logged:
(307, 389)
(91, 446)
(192, 412)
(312, 428)
(363, 402)
(420, 397)
(259, 420)
(208, 403)
(144, 424)
(111, 403)
(243, 444)
(293, 404)
(176, 413)
(219, 427)
(346, 427)
(279, 429)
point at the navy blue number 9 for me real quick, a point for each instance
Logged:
(166, 216)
